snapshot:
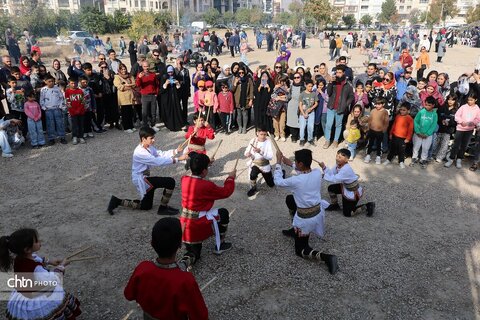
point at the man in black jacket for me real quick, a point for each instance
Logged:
(340, 93)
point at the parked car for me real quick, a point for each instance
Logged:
(245, 26)
(80, 36)
(220, 26)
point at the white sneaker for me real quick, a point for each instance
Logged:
(156, 129)
(449, 163)
(129, 131)
(90, 135)
(84, 135)
(351, 158)
(158, 125)
(7, 155)
(284, 139)
(367, 159)
(277, 138)
(82, 140)
(134, 130)
(438, 160)
(402, 165)
(74, 141)
(386, 162)
(378, 160)
(459, 164)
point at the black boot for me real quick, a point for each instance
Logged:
(370, 208)
(113, 204)
(331, 262)
(167, 211)
(252, 191)
(333, 207)
(289, 232)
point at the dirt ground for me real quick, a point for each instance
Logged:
(418, 257)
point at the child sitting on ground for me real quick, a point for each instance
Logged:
(400, 134)
(35, 128)
(161, 288)
(425, 124)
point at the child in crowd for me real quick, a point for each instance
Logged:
(161, 287)
(431, 90)
(89, 103)
(467, 118)
(360, 96)
(35, 128)
(53, 102)
(199, 219)
(260, 152)
(198, 133)
(411, 96)
(371, 96)
(400, 134)
(75, 101)
(225, 107)
(16, 97)
(352, 136)
(210, 102)
(10, 137)
(199, 97)
(424, 126)
(446, 127)
(39, 301)
(321, 110)
(145, 157)
(307, 104)
(378, 122)
(278, 109)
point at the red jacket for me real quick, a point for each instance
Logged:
(225, 102)
(148, 84)
(199, 194)
(200, 138)
(74, 99)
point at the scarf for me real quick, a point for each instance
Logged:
(243, 92)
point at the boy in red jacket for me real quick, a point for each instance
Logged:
(198, 218)
(225, 107)
(74, 99)
(198, 134)
(400, 134)
(161, 288)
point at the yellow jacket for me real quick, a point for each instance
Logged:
(353, 135)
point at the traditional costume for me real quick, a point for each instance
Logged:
(259, 163)
(41, 302)
(308, 210)
(198, 140)
(346, 183)
(164, 291)
(199, 219)
(143, 161)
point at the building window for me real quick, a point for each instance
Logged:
(401, 7)
(409, 7)
(151, 4)
(423, 1)
(136, 3)
(164, 5)
(156, 4)
(364, 7)
(143, 3)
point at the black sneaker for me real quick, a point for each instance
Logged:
(289, 232)
(63, 141)
(331, 262)
(51, 142)
(424, 164)
(302, 143)
(333, 207)
(370, 209)
(167, 211)
(252, 191)
(414, 162)
(113, 204)
(224, 246)
(312, 143)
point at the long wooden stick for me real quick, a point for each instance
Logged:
(274, 142)
(218, 147)
(83, 258)
(76, 253)
(208, 113)
(236, 162)
(316, 161)
(128, 315)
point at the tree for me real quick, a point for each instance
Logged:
(143, 23)
(118, 22)
(349, 20)
(212, 16)
(242, 15)
(440, 10)
(320, 10)
(36, 17)
(366, 20)
(389, 11)
(473, 14)
(92, 20)
(297, 13)
(414, 17)
(282, 18)
(256, 16)
(229, 17)
(162, 20)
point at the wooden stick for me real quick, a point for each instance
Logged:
(76, 253)
(316, 161)
(218, 147)
(274, 142)
(83, 258)
(128, 315)
(236, 162)
(208, 112)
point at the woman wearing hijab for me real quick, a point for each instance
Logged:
(125, 84)
(57, 72)
(297, 87)
(263, 93)
(243, 93)
(225, 77)
(132, 52)
(24, 66)
(171, 110)
(75, 70)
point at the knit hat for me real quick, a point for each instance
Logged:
(170, 69)
(201, 83)
(209, 84)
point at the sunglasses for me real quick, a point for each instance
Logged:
(278, 67)
(101, 59)
(156, 55)
(315, 70)
(241, 73)
(386, 79)
(297, 77)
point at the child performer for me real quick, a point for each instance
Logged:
(160, 287)
(345, 183)
(199, 219)
(260, 152)
(38, 301)
(34, 120)
(198, 134)
(400, 134)
(145, 157)
(309, 216)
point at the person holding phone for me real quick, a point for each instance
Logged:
(263, 92)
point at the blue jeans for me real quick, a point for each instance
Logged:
(352, 147)
(309, 123)
(331, 116)
(4, 144)
(35, 129)
(55, 124)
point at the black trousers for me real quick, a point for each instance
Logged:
(420, 73)
(184, 103)
(291, 205)
(211, 117)
(397, 148)
(348, 206)
(460, 143)
(127, 117)
(87, 122)
(375, 138)
(110, 108)
(100, 114)
(268, 176)
(155, 183)
(77, 126)
(137, 115)
(295, 133)
(225, 119)
(195, 249)
(22, 117)
(232, 51)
